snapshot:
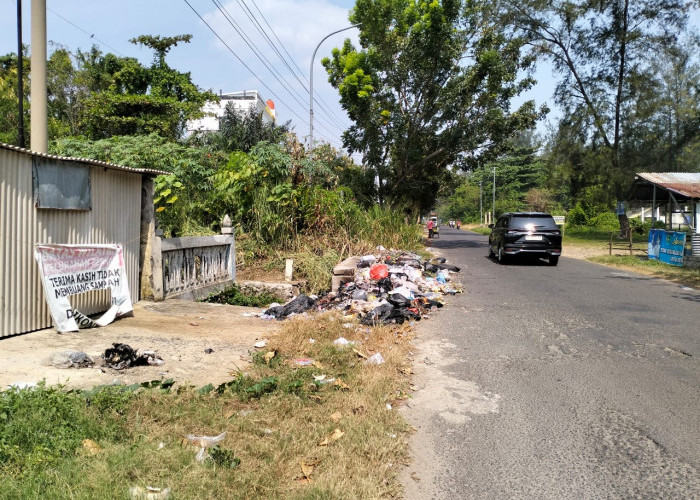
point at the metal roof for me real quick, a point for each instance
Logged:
(686, 184)
(142, 171)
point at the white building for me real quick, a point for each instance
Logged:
(243, 101)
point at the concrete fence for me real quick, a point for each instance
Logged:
(193, 267)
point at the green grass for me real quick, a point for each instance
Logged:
(479, 230)
(642, 265)
(586, 236)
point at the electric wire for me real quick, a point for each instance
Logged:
(91, 35)
(244, 64)
(261, 57)
(322, 105)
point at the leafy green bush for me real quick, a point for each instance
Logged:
(606, 221)
(233, 296)
(576, 216)
(639, 227)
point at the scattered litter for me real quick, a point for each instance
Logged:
(194, 324)
(260, 344)
(149, 493)
(161, 445)
(388, 406)
(427, 361)
(250, 315)
(375, 359)
(72, 359)
(348, 325)
(312, 341)
(205, 442)
(342, 341)
(208, 350)
(121, 356)
(303, 361)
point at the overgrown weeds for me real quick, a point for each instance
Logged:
(309, 420)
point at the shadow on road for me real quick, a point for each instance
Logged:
(447, 244)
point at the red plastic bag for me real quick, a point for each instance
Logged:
(378, 271)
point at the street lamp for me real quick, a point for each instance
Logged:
(311, 84)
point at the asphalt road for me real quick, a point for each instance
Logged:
(576, 381)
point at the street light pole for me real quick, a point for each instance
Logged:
(481, 203)
(311, 84)
(493, 214)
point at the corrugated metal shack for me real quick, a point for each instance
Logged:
(57, 200)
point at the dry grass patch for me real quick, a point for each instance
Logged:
(287, 439)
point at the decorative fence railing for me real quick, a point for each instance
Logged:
(191, 267)
(195, 265)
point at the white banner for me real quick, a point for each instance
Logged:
(72, 269)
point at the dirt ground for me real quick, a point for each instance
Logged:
(179, 331)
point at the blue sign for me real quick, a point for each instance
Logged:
(666, 246)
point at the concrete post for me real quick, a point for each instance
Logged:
(39, 103)
(150, 260)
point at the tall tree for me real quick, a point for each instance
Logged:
(431, 86)
(143, 100)
(604, 51)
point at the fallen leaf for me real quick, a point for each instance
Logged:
(269, 356)
(318, 365)
(363, 356)
(337, 434)
(341, 385)
(307, 467)
(335, 417)
(334, 436)
(91, 447)
(415, 477)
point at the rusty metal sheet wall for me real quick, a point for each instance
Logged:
(114, 218)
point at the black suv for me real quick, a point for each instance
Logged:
(525, 233)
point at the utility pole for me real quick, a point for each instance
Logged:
(39, 112)
(481, 202)
(20, 78)
(493, 214)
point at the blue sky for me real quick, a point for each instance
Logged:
(298, 24)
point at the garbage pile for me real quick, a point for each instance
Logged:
(391, 287)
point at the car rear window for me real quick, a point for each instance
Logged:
(532, 222)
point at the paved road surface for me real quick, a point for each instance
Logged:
(577, 381)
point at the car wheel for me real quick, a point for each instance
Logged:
(501, 255)
(553, 260)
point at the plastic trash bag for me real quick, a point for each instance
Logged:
(205, 442)
(375, 359)
(378, 271)
(72, 359)
(300, 304)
